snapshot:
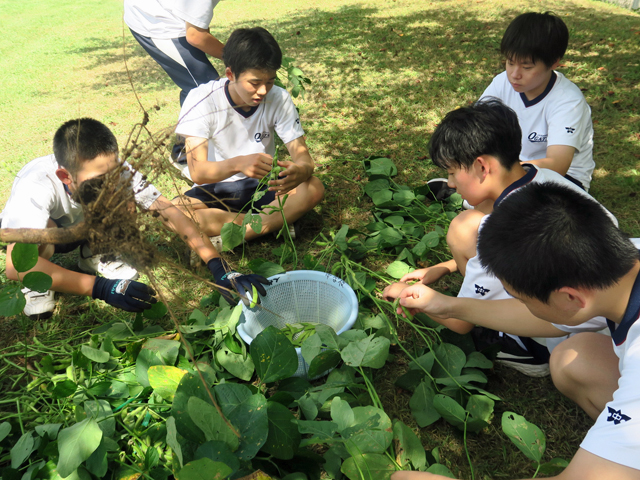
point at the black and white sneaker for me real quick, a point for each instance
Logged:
(439, 190)
(533, 360)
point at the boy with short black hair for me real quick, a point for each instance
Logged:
(558, 253)
(479, 146)
(554, 116)
(45, 195)
(230, 126)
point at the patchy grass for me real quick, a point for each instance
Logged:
(384, 72)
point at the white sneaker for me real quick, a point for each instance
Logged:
(39, 305)
(111, 270)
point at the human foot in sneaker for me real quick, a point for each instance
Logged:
(439, 189)
(533, 362)
(93, 264)
(39, 306)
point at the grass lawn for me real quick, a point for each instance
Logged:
(384, 73)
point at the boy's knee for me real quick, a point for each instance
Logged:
(567, 369)
(315, 192)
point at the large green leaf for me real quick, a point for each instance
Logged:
(155, 311)
(37, 281)
(284, 437)
(22, 449)
(322, 432)
(404, 197)
(76, 444)
(64, 389)
(398, 270)
(439, 469)
(371, 431)
(525, 435)
(98, 356)
(424, 363)
(408, 447)
(172, 438)
(246, 412)
(379, 185)
(451, 361)
(368, 352)
(167, 350)
(165, 380)
(235, 363)
(478, 360)
(232, 235)
(24, 256)
(97, 462)
(204, 469)
(480, 406)
(12, 300)
(391, 236)
(450, 410)
(268, 269)
(342, 413)
(145, 360)
(381, 166)
(190, 386)
(273, 355)
(323, 362)
(218, 452)
(100, 410)
(207, 418)
(372, 465)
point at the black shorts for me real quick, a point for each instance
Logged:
(235, 196)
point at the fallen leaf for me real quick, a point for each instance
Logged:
(602, 68)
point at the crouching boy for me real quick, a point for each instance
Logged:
(564, 262)
(42, 196)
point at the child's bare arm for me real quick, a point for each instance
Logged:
(558, 159)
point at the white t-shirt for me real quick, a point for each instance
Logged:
(166, 19)
(616, 434)
(478, 283)
(558, 116)
(38, 194)
(208, 112)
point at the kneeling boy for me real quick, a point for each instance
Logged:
(564, 262)
(43, 196)
(230, 126)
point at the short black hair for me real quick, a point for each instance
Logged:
(251, 49)
(537, 37)
(546, 236)
(487, 127)
(82, 139)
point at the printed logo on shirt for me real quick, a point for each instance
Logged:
(261, 136)
(570, 129)
(481, 290)
(298, 121)
(535, 138)
(616, 416)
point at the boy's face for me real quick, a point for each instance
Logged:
(528, 77)
(250, 87)
(559, 309)
(89, 169)
(467, 183)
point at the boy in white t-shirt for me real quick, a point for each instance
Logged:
(554, 116)
(564, 262)
(230, 127)
(44, 195)
(479, 146)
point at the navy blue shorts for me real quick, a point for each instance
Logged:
(235, 196)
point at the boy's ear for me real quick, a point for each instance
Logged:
(484, 164)
(573, 298)
(229, 74)
(556, 64)
(64, 176)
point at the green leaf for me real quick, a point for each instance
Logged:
(478, 360)
(372, 466)
(204, 469)
(151, 458)
(235, 363)
(5, 429)
(311, 347)
(398, 270)
(421, 405)
(167, 350)
(273, 355)
(100, 410)
(37, 281)
(98, 356)
(284, 437)
(452, 360)
(165, 380)
(232, 236)
(156, 311)
(372, 431)
(450, 410)
(22, 449)
(381, 166)
(379, 185)
(328, 336)
(526, 436)
(369, 352)
(190, 386)
(381, 197)
(439, 469)
(408, 447)
(323, 362)
(146, 359)
(218, 452)
(322, 432)
(64, 389)
(431, 239)
(342, 413)
(207, 418)
(425, 361)
(404, 197)
(391, 236)
(553, 466)
(268, 269)
(12, 301)
(480, 407)
(97, 462)
(172, 437)
(24, 256)
(76, 444)
(246, 412)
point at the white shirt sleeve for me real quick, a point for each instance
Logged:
(144, 192)
(196, 118)
(196, 12)
(568, 122)
(287, 121)
(29, 206)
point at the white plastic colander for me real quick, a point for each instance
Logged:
(301, 296)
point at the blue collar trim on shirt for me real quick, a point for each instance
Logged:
(532, 171)
(619, 332)
(237, 108)
(530, 103)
